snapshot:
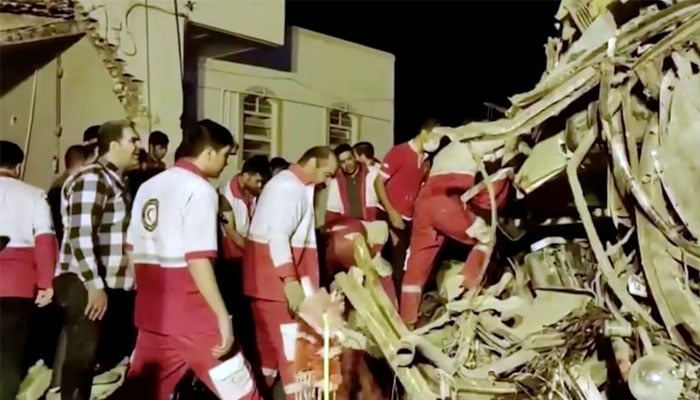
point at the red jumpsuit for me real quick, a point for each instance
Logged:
(281, 244)
(173, 222)
(340, 251)
(440, 213)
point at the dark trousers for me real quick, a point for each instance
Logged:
(15, 315)
(398, 253)
(87, 342)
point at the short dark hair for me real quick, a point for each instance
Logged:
(278, 163)
(429, 124)
(143, 156)
(257, 165)
(342, 148)
(111, 131)
(75, 154)
(90, 134)
(317, 152)
(178, 152)
(11, 155)
(364, 149)
(158, 138)
(203, 134)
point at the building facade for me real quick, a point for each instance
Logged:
(162, 62)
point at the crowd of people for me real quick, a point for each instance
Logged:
(130, 260)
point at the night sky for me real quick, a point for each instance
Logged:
(451, 56)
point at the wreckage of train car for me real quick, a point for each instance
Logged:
(592, 293)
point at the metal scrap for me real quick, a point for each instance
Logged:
(623, 272)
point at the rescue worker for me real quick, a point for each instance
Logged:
(441, 212)
(94, 272)
(401, 175)
(172, 239)
(351, 192)
(280, 260)
(240, 194)
(364, 152)
(350, 208)
(27, 264)
(237, 200)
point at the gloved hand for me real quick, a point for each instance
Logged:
(294, 294)
(480, 231)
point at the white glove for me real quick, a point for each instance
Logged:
(480, 231)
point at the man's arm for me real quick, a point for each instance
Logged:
(389, 167)
(201, 246)
(45, 244)
(334, 204)
(85, 207)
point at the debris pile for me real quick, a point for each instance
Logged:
(593, 291)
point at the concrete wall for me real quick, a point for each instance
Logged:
(86, 98)
(327, 71)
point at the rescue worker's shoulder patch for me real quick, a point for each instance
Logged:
(149, 214)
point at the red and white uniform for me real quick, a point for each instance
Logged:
(441, 213)
(173, 220)
(338, 204)
(281, 243)
(29, 260)
(404, 169)
(242, 206)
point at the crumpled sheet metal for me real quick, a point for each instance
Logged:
(534, 332)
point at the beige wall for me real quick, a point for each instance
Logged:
(86, 98)
(327, 71)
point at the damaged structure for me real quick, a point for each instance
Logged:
(593, 288)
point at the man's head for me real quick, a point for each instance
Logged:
(364, 152)
(158, 144)
(208, 145)
(320, 163)
(278, 164)
(255, 172)
(426, 140)
(119, 143)
(90, 142)
(76, 156)
(11, 158)
(346, 159)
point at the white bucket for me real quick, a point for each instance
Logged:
(232, 378)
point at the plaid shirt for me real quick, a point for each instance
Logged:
(96, 208)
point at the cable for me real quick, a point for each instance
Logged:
(179, 41)
(30, 124)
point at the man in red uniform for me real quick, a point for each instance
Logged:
(280, 260)
(27, 263)
(352, 208)
(441, 212)
(400, 178)
(182, 320)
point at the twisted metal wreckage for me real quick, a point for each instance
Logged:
(603, 288)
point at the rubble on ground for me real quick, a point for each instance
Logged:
(597, 291)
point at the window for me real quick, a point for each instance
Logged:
(258, 124)
(340, 127)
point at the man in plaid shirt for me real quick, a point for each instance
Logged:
(94, 271)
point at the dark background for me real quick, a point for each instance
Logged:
(451, 56)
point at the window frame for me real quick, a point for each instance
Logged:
(260, 95)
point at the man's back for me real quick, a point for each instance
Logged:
(169, 210)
